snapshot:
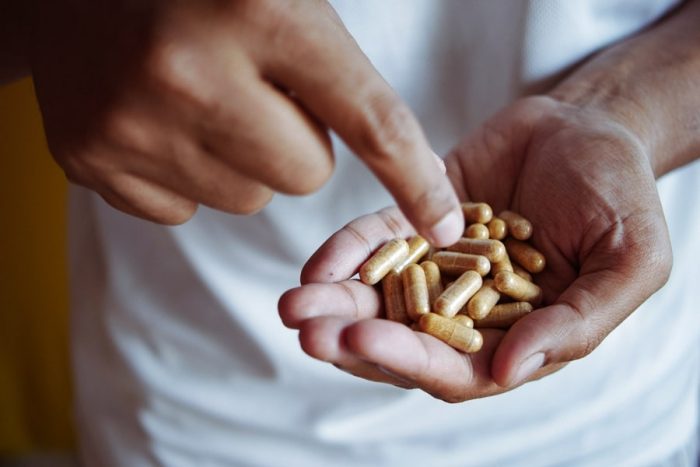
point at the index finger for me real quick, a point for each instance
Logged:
(324, 68)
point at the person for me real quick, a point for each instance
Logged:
(179, 356)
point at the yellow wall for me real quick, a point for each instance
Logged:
(34, 382)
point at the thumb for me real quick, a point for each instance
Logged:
(621, 272)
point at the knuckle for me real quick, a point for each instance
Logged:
(387, 129)
(253, 202)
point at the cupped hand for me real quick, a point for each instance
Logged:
(160, 106)
(585, 182)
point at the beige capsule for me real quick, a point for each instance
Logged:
(415, 291)
(394, 301)
(503, 265)
(452, 333)
(517, 288)
(433, 280)
(480, 213)
(451, 262)
(492, 249)
(504, 315)
(417, 248)
(477, 231)
(525, 255)
(381, 262)
(464, 320)
(480, 305)
(454, 297)
(498, 229)
(522, 273)
(519, 227)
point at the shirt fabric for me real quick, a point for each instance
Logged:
(181, 359)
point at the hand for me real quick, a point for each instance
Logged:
(586, 184)
(159, 106)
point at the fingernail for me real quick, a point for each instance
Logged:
(447, 230)
(440, 163)
(529, 366)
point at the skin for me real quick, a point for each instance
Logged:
(581, 163)
(160, 106)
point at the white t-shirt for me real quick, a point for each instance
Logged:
(180, 356)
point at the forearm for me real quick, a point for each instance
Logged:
(651, 84)
(14, 39)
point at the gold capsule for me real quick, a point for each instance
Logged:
(522, 273)
(417, 248)
(432, 279)
(394, 302)
(380, 263)
(479, 213)
(525, 255)
(460, 337)
(453, 298)
(498, 229)
(517, 288)
(415, 290)
(519, 227)
(492, 249)
(464, 320)
(504, 315)
(454, 263)
(483, 301)
(503, 265)
(477, 231)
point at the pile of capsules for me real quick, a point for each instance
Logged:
(482, 281)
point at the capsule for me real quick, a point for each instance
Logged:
(477, 231)
(453, 298)
(432, 279)
(483, 301)
(464, 320)
(480, 213)
(492, 249)
(415, 291)
(525, 255)
(517, 288)
(522, 273)
(503, 265)
(454, 263)
(417, 248)
(381, 262)
(460, 337)
(504, 315)
(519, 227)
(394, 302)
(498, 229)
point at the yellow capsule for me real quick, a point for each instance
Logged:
(417, 248)
(453, 298)
(492, 249)
(464, 320)
(479, 213)
(415, 291)
(394, 302)
(381, 262)
(504, 315)
(522, 273)
(432, 279)
(519, 227)
(477, 231)
(498, 229)
(454, 263)
(483, 301)
(525, 255)
(460, 337)
(517, 288)
(503, 265)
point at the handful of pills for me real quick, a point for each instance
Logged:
(482, 281)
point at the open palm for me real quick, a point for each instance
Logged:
(586, 184)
